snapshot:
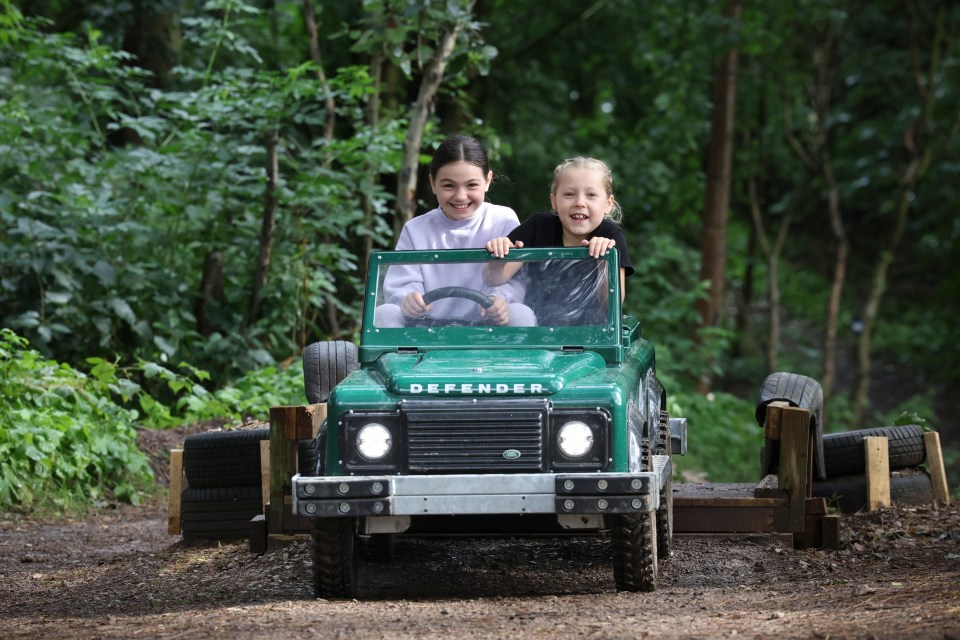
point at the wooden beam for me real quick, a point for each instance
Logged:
(877, 458)
(938, 476)
(299, 422)
(795, 470)
(174, 492)
(265, 474)
(283, 461)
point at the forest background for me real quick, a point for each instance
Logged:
(190, 189)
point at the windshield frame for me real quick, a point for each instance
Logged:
(375, 341)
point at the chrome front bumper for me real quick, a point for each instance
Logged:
(470, 494)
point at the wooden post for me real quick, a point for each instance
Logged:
(265, 473)
(877, 458)
(796, 461)
(288, 425)
(175, 489)
(938, 477)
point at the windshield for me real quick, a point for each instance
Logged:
(467, 299)
(519, 293)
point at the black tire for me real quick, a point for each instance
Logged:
(222, 459)
(325, 364)
(219, 513)
(634, 551)
(665, 510)
(307, 456)
(335, 553)
(849, 493)
(377, 547)
(843, 452)
(799, 391)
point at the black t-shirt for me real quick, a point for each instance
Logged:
(564, 292)
(545, 230)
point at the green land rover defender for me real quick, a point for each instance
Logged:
(451, 423)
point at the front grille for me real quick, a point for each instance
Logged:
(475, 436)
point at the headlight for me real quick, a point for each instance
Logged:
(374, 441)
(575, 439)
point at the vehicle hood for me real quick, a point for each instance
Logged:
(481, 372)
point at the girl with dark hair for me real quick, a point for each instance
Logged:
(460, 177)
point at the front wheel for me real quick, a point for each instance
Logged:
(634, 551)
(336, 557)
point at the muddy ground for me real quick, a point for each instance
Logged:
(118, 574)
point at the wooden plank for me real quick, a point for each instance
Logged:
(877, 459)
(265, 473)
(299, 422)
(938, 476)
(769, 488)
(771, 425)
(830, 532)
(722, 517)
(174, 492)
(283, 463)
(796, 462)
(812, 535)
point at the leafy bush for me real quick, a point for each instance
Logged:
(723, 437)
(69, 438)
(63, 439)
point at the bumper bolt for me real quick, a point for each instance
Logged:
(636, 484)
(310, 507)
(309, 489)
(377, 507)
(568, 504)
(636, 504)
(343, 508)
(376, 487)
(344, 488)
(602, 485)
(568, 485)
(602, 504)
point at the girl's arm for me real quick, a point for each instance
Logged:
(498, 272)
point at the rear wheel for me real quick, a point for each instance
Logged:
(325, 364)
(335, 555)
(665, 510)
(634, 551)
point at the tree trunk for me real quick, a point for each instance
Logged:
(772, 253)
(432, 77)
(373, 119)
(267, 228)
(922, 144)
(329, 131)
(714, 237)
(839, 278)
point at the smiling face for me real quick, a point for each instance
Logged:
(460, 188)
(581, 200)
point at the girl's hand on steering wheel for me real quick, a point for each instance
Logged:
(413, 305)
(499, 311)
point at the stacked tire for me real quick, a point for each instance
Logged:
(846, 486)
(223, 490)
(839, 464)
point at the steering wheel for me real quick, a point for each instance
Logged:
(473, 295)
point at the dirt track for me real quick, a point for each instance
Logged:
(118, 575)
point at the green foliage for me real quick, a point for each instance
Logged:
(68, 438)
(723, 438)
(63, 439)
(662, 294)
